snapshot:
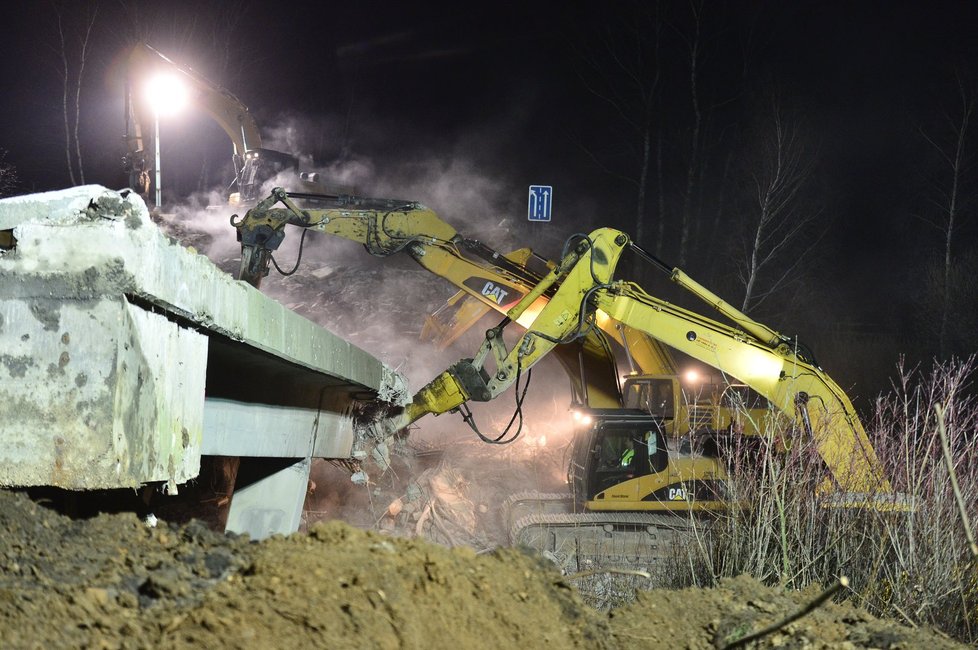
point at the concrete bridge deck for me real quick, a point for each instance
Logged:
(125, 357)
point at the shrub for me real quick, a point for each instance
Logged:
(912, 563)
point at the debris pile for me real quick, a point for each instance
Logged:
(450, 492)
(436, 507)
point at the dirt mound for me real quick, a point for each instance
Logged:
(113, 582)
(739, 607)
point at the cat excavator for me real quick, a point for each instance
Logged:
(628, 481)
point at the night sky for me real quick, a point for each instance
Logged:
(463, 106)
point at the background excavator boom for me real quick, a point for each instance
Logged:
(253, 164)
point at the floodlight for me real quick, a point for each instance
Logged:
(166, 93)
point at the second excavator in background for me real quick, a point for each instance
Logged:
(628, 479)
(254, 165)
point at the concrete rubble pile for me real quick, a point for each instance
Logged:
(436, 506)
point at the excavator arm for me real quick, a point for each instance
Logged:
(385, 227)
(565, 317)
(487, 280)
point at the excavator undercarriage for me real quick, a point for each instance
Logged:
(615, 540)
(579, 541)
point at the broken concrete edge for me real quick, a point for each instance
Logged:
(214, 301)
(59, 206)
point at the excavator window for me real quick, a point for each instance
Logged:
(626, 453)
(260, 166)
(652, 395)
(657, 452)
(618, 458)
(616, 451)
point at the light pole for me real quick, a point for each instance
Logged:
(166, 94)
(156, 141)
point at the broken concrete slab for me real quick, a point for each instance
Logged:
(125, 356)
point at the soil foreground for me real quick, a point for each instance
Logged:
(113, 582)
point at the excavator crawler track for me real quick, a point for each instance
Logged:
(627, 540)
(522, 504)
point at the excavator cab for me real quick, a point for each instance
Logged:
(256, 167)
(619, 445)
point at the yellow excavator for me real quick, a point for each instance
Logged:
(253, 164)
(625, 476)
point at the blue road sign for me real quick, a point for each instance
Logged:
(541, 202)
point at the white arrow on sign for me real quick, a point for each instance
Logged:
(540, 202)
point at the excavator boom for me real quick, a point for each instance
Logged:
(145, 64)
(253, 164)
(789, 381)
(227, 111)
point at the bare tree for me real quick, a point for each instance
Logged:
(623, 70)
(774, 246)
(161, 27)
(946, 302)
(74, 41)
(212, 39)
(694, 49)
(661, 150)
(950, 198)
